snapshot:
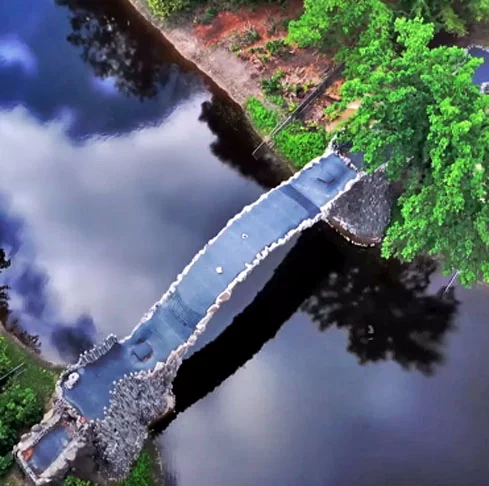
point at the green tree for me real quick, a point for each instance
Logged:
(451, 15)
(421, 114)
(362, 29)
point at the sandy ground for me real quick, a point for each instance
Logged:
(222, 66)
(209, 45)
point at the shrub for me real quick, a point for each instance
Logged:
(273, 85)
(249, 36)
(164, 8)
(72, 481)
(263, 118)
(6, 461)
(141, 474)
(300, 144)
(276, 47)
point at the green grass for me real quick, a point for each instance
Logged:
(264, 119)
(37, 375)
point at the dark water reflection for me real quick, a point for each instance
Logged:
(102, 208)
(118, 163)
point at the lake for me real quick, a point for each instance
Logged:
(327, 367)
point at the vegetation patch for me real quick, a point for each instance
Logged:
(301, 143)
(23, 396)
(263, 118)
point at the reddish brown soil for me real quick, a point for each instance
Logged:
(301, 66)
(226, 23)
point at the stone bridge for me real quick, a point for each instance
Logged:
(105, 402)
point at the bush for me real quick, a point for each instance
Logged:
(141, 474)
(296, 142)
(72, 481)
(19, 407)
(246, 38)
(164, 8)
(263, 118)
(276, 47)
(273, 85)
(300, 144)
(6, 461)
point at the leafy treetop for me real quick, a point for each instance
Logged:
(422, 114)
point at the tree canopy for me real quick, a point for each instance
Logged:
(421, 114)
(451, 15)
(361, 29)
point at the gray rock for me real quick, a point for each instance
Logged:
(363, 213)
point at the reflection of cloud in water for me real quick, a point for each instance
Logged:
(106, 85)
(106, 215)
(16, 52)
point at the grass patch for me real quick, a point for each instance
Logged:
(37, 375)
(263, 118)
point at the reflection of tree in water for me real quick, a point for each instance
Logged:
(7, 320)
(4, 263)
(115, 47)
(235, 143)
(386, 310)
(382, 304)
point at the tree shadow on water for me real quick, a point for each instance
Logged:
(387, 311)
(384, 306)
(116, 45)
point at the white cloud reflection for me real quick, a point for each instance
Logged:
(15, 52)
(113, 220)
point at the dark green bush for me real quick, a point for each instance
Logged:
(273, 85)
(300, 144)
(263, 118)
(164, 8)
(276, 47)
(141, 474)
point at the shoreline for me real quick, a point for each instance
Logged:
(237, 82)
(207, 60)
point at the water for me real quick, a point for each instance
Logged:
(118, 163)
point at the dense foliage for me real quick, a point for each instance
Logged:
(300, 144)
(22, 397)
(452, 15)
(263, 118)
(421, 113)
(366, 25)
(164, 8)
(21, 405)
(297, 142)
(360, 31)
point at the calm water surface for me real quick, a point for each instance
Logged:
(118, 163)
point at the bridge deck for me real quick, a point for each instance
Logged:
(281, 211)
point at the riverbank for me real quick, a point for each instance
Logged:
(242, 49)
(243, 53)
(34, 374)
